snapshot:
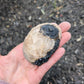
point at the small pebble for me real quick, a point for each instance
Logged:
(7, 26)
(76, 51)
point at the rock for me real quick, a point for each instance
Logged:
(41, 43)
(76, 51)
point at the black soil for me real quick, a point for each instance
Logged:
(17, 17)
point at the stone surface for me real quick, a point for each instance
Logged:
(41, 42)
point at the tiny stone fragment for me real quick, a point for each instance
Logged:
(79, 39)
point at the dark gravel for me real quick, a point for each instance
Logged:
(17, 17)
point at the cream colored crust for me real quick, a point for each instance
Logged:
(36, 45)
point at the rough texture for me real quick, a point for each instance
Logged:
(50, 30)
(41, 43)
(45, 59)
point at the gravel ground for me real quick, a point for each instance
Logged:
(17, 17)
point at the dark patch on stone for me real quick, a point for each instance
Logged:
(45, 59)
(49, 30)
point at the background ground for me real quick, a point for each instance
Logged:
(17, 17)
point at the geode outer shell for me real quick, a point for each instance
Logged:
(41, 42)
